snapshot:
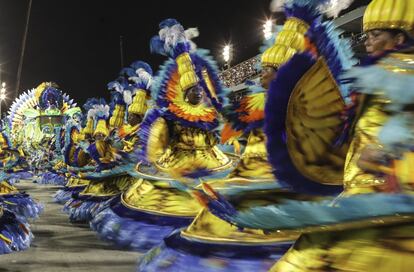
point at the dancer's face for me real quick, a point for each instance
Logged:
(266, 76)
(194, 95)
(134, 119)
(380, 40)
(99, 136)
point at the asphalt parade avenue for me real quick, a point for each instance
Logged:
(61, 246)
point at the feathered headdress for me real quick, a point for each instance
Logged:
(50, 97)
(290, 39)
(183, 71)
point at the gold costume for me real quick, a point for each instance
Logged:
(191, 149)
(372, 119)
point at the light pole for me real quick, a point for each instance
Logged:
(2, 94)
(227, 55)
(23, 49)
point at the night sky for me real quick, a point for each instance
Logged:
(76, 43)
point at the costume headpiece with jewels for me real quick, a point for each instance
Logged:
(390, 14)
(185, 69)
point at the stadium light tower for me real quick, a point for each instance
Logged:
(227, 55)
(267, 29)
(2, 94)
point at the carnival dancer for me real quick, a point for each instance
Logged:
(15, 233)
(177, 138)
(102, 154)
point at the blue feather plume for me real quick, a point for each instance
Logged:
(143, 65)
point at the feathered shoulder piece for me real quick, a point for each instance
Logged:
(245, 114)
(392, 78)
(187, 85)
